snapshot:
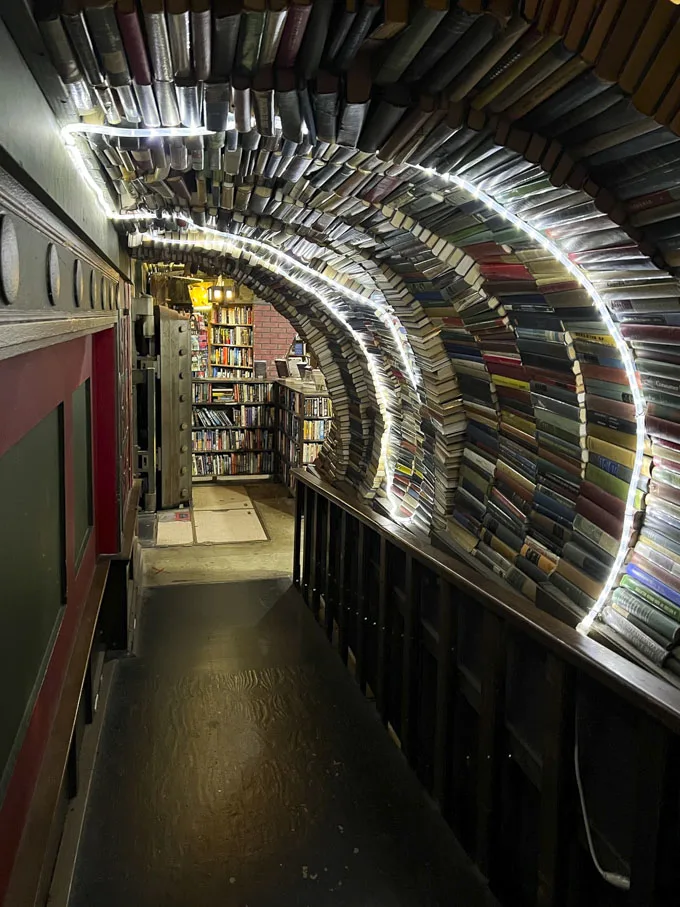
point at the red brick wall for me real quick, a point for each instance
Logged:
(273, 335)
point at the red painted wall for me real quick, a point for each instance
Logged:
(31, 386)
(273, 335)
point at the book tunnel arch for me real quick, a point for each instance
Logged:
(468, 270)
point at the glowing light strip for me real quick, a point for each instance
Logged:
(478, 193)
(382, 312)
(623, 350)
(385, 314)
(143, 132)
(227, 238)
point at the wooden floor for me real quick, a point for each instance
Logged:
(241, 767)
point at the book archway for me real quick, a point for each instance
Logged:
(516, 229)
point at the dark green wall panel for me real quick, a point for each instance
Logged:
(31, 568)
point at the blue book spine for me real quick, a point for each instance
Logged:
(552, 506)
(653, 583)
(610, 466)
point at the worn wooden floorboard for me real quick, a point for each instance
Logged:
(241, 766)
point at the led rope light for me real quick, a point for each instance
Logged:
(158, 132)
(622, 347)
(381, 394)
(383, 313)
(476, 192)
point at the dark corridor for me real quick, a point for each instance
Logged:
(240, 765)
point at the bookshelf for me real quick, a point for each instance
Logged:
(304, 416)
(233, 428)
(231, 341)
(199, 344)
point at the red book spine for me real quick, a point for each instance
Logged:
(599, 517)
(651, 332)
(662, 428)
(502, 365)
(602, 498)
(293, 33)
(604, 373)
(558, 379)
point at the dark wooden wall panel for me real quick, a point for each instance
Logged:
(81, 451)
(487, 697)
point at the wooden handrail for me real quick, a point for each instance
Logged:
(652, 695)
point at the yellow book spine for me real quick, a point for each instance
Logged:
(502, 381)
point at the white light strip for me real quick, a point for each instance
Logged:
(143, 132)
(382, 312)
(626, 357)
(385, 314)
(411, 370)
(225, 239)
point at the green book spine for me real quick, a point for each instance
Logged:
(666, 477)
(596, 535)
(607, 481)
(639, 608)
(649, 595)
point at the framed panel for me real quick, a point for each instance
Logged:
(81, 448)
(32, 573)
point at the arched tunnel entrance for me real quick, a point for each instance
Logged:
(340, 452)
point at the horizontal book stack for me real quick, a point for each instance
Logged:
(243, 463)
(258, 415)
(231, 440)
(644, 607)
(333, 129)
(586, 90)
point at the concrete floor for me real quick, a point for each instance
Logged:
(236, 561)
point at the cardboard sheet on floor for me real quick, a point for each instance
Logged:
(174, 532)
(221, 526)
(221, 497)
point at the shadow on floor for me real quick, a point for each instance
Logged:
(241, 766)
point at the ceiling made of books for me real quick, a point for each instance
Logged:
(468, 209)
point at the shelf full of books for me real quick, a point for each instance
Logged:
(199, 345)
(233, 428)
(231, 341)
(304, 418)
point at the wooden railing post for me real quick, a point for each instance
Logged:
(343, 644)
(360, 648)
(300, 492)
(558, 788)
(409, 674)
(329, 573)
(490, 724)
(314, 526)
(649, 877)
(383, 631)
(307, 543)
(446, 674)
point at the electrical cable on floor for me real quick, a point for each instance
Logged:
(614, 878)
